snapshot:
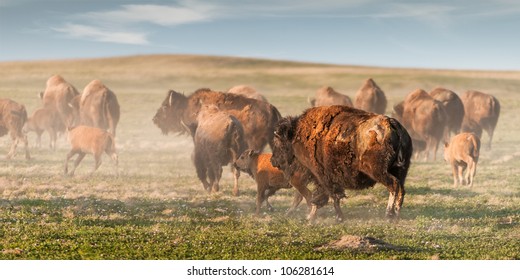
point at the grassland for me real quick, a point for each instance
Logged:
(157, 209)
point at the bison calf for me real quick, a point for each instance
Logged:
(270, 179)
(90, 140)
(462, 153)
(42, 120)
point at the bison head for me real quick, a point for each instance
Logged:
(283, 155)
(245, 161)
(169, 116)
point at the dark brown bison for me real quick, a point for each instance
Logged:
(424, 118)
(247, 91)
(270, 179)
(481, 113)
(462, 153)
(453, 107)
(345, 148)
(257, 118)
(57, 96)
(98, 107)
(370, 98)
(12, 119)
(326, 96)
(218, 138)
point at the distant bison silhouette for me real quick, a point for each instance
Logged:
(326, 96)
(481, 113)
(370, 98)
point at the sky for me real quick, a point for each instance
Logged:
(453, 34)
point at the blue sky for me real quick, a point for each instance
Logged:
(467, 34)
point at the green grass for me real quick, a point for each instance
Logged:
(157, 209)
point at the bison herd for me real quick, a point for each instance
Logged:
(336, 144)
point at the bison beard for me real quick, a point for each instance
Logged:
(344, 148)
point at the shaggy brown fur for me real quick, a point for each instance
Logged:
(425, 119)
(326, 96)
(57, 96)
(370, 98)
(219, 140)
(269, 179)
(90, 140)
(461, 153)
(345, 148)
(43, 120)
(98, 107)
(12, 119)
(247, 91)
(453, 107)
(257, 118)
(481, 113)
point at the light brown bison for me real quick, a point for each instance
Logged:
(462, 153)
(57, 96)
(326, 96)
(98, 107)
(370, 98)
(424, 118)
(12, 119)
(89, 140)
(257, 118)
(453, 107)
(44, 120)
(247, 91)
(218, 138)
(345, 148)
(270, 179)
(481, 113)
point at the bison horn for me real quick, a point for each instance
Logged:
(171, 98)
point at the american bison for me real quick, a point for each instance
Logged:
(370, 98)
(270, 179)
(98, 107)
(453, 107)
(257, 118)
(44, 120)
(345, 148)
(12, 119)
(218, 138)
(462, 153)
(89, 140)
(326, 96)
(481, 113)
(247, 91)
(424, 118)
(57, 96)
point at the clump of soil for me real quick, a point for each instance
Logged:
(365, 243)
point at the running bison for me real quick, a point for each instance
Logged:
(219, 140)
(257, 118)
(345, 148)
(481, 113)
(453, 107)
(247, 91)
(270, 179)
(43, 120)
(326, 96)
(370, 98)
(425, 120)
(98, 107)
(56, 97)
(12, 119)
(462, 153)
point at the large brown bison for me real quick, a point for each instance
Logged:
(424, 118)
(453, 107)
(370, 98)
(98, 107)
(218, 138)
(326, 96)
(247, 91)
(345, 148)
(12, 119)
(257, 118)
(481, 113)
(57, 96)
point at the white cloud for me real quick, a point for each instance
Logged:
(97, 34)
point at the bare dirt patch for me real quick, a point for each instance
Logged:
(354, 242)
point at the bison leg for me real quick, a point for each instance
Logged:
(53, 136)
(339, 214)
(459, 172)
(473, 171)
(236, 175)
(396, 194)
(300, 184)
(454, 171)
(297, 199)
(115, 159)
(312, 214)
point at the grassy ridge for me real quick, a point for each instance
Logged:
(157, 209)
